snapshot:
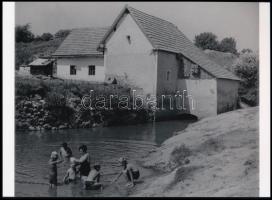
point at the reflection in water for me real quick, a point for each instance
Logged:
(105, 146)
(52, 192)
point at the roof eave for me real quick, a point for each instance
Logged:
(232, 79)
(112, 27)
(77, 55)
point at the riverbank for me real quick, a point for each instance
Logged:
(217, 156)
(48, 103)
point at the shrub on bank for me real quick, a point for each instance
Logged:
(247, 68)
(59, 104)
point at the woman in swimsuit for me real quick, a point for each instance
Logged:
(84, 162)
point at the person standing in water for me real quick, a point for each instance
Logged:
(129, 171)
(53, 174)
(84, 161)
(65, 151)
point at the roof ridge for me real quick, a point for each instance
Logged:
(164, 35)
(129, 7)
(93, 27)
(81, 41)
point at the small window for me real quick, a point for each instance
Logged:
(195, 71)
(129, 39)
(168, 76)
(92, 70)
(181, 68)
(72, 70)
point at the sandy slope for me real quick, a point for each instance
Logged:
(217, 156)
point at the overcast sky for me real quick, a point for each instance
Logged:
(226, 19)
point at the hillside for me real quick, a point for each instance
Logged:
(225, 59)
(217, 156)
(27, 52)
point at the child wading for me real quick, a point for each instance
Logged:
(93, 179)
(65, 151)
(70, 175)
(53, 174)
(129, 171)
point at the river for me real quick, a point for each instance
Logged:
(105, 145)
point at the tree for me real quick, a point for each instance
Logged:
(38, 38)
(228, 45)
(46, 36)
(206, 40)
(23, 33)
(247, 68)
(62, 33)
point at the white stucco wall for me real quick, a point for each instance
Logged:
(227, 95)
(204, 95)
(135, 61)
(82, 63)
(24, 70)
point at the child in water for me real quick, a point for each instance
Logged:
(53, 174)
(129, 171)
(70, 175)
(93, 179)
(65, 151)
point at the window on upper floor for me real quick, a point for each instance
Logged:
(195, 71)
(129, 39)
(181, 68)
(167, 75)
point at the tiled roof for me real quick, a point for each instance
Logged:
(40, 62)
(164, 35)
(81, 42)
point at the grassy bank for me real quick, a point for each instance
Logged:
(217, 156)
(49, 103)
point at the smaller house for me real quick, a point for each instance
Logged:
(42, 66)
(78, 58)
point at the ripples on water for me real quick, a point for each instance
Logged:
(105, 146)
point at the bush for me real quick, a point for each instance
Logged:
(247, 68)
(63, 101)
(28, 88)
(22, 55)
(62, 33)
(46, 36)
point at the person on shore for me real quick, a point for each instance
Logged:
(70, 175)
(84, 162)
(93, 179)
(53, 174)
(65, 151)
(129, 171)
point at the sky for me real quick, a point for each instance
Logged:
(239, 20)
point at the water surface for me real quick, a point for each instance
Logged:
(105, 145)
